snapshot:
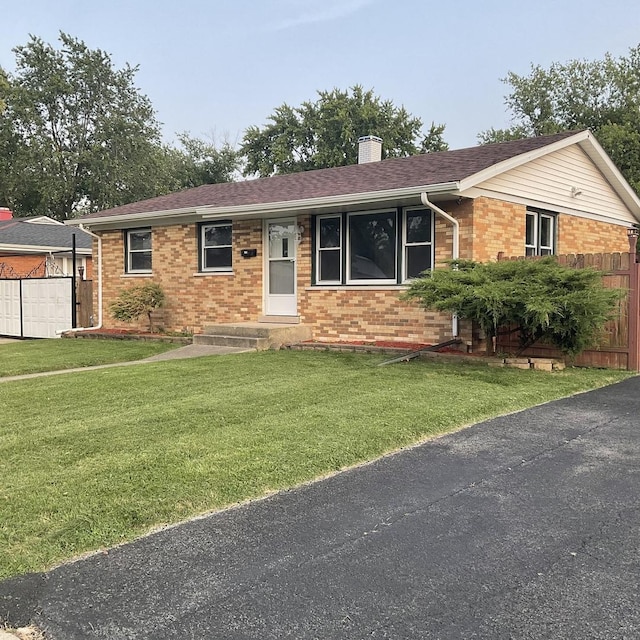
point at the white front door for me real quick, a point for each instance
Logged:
(281, 240)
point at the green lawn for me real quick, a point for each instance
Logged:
(95, 458)
(34, 356)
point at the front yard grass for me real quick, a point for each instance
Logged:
(36, 356)
(96, 458)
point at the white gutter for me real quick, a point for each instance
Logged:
(99, 239)
(424, 198)
(36, 249)
(264, 208)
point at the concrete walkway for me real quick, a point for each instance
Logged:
(188, 351)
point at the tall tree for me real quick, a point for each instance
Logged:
(601, 95)
(76, 134)
(204, 162)
(324, 133)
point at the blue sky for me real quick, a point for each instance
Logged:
(215, 67)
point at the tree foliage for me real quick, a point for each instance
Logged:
(137, 301)
(76, 136)
(324, 133)
(601, 95)
(202, 162)
(540, 298)
(77, 133)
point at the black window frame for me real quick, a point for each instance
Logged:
(400, 246)
(319, 250)
(431, 243)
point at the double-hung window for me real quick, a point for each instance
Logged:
(329, 249)
(540, 235)
(138, 251)
(215, 246)
(373, 247)
(417, 242)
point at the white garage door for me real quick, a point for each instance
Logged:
(10, 311)
(41, 307)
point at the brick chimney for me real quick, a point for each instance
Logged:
(369, 149)
(5, 213)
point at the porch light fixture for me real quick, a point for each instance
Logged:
(632, 235)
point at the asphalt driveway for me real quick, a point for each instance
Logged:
(526, 526)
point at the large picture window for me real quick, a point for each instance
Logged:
(540, 234)
(216, 246)
(138, 251)
(373, 247)
(372, 244)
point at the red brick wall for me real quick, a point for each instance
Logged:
(34, 266)
(23, 266)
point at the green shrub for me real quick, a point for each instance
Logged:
(137, 301)
(540, 298)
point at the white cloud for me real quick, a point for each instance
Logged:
(303, 12)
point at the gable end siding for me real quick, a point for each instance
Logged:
(550, 179)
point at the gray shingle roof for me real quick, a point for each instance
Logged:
(396, 173)
(17, 231)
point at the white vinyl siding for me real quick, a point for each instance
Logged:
(550, 179)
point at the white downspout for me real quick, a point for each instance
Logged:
(424, 198)
(99, 239)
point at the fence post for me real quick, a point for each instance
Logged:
(634, 302)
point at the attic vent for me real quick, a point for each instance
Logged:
(369, 149)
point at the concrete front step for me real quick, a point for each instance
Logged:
(232, 341)
(253, 335)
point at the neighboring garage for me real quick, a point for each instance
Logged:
(36, 307)
(39, 260)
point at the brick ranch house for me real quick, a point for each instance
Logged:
(332, 249)
(41, 247)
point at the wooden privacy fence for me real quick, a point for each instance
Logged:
(620, 345)
(84, 303)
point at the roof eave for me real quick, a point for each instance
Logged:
(39, 249)
(520, 159)
(588, 143)
(205, 212)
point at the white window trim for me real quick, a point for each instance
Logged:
(533, 246)
(319, 249)
(204, 247)
(551, 247)
(130, 250)
(371, 281)
(537, 247)
(406, 244)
